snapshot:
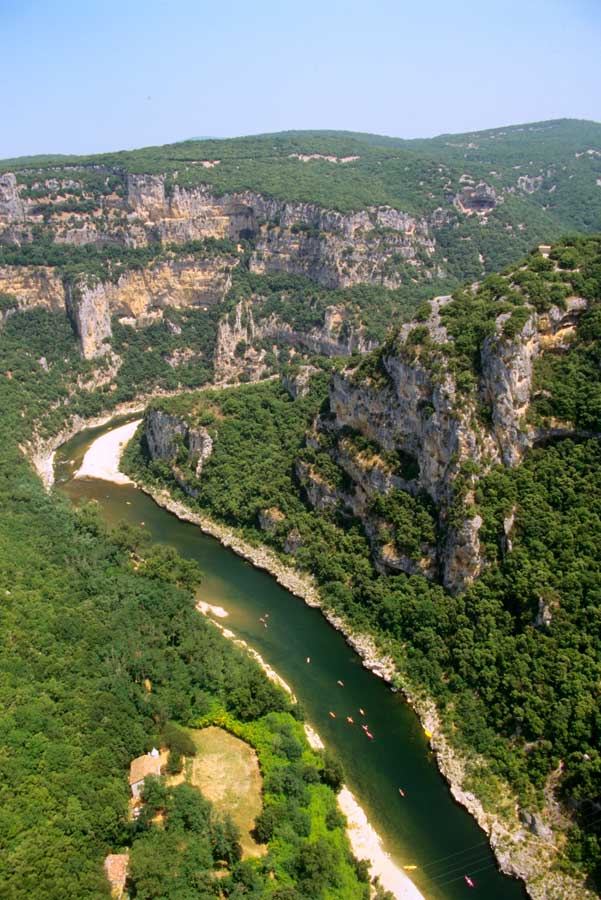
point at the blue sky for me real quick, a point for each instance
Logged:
(89, 76)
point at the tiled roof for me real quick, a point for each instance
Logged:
(143, 766)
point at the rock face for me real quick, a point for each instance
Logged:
(480, 199)
(88, 311)
(33, 286)
(337, 250)
(378, 245)
(137, 296)
(241, 333)
(270, 519)
(415, 407)
(12, 208)
(334, 249)
(297, 384)
(168, 435)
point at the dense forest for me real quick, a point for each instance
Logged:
(89, 619)
(513, 662)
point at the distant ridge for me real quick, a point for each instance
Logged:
(526, 183)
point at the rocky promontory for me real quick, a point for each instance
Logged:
(434, 427)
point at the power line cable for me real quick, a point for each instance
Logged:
(459, 866)
(470, 873)
(435, 862)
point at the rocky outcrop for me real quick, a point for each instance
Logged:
(12, 208)
(293, 542)
(481, 199)
(507, 369)
(297, 383)
(319, 492)
(241, 333)
(333, 248)
(33, 286)
(88, 310)
(339, 250)
(167, 436)
(270, 519)
(412, 404)
(529, 184)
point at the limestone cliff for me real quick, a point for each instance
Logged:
(332, 248)
(88, 311)
(171, 439)
(374, 245)
(137, 296)
(406, 399)
(243, 331)
(33, 286)
(12, 208)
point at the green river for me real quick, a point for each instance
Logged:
(426, 828)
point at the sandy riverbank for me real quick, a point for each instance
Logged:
(102, 460)
(366, 844)
(104, 455)
(518, 851)
(365, 841)
(41, 451)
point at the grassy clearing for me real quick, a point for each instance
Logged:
(226, 771)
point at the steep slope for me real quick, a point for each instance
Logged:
(450, 398)
(470, 203)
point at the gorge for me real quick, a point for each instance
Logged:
(373, 364)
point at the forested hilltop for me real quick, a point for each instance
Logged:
(463, 453)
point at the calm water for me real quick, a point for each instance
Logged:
(425, 828)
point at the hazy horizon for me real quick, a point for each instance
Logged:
(117, 76)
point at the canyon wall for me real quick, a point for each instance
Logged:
(412, 404)
(137, 297)
(242, 335)
(378, 245)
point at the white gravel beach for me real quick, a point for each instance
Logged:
(367, 844)
(104, 455)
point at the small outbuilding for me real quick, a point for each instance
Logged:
(141, 767)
